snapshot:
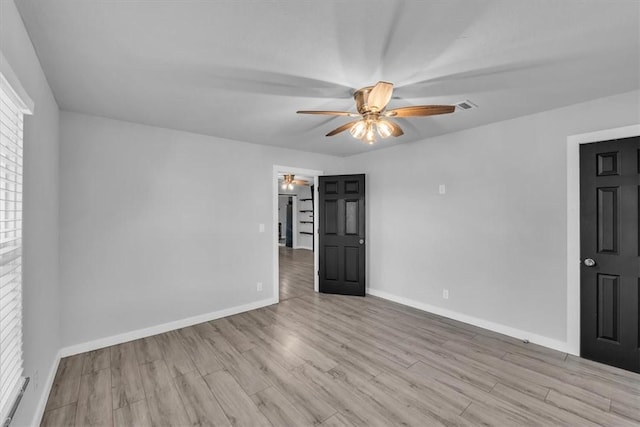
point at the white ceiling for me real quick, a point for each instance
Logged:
(239, 69)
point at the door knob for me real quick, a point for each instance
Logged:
(362, 241)
(589, 262)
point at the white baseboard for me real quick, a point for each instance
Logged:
(304, 247)
(486, 324)
(45, 390)
(165, 327)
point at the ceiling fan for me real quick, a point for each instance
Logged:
(288, 181)
(371, 103)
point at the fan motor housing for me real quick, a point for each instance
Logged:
(362, 97)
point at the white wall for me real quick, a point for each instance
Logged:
(41, 327)
(497, 239)
(154, 228)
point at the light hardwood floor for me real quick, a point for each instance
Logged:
(296, 273)
(336, 361)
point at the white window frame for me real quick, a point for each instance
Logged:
(14, 104)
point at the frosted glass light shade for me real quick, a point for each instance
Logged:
(384, 128)
(370, 136)
(359, 129)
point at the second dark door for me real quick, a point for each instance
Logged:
(342, 234)
(609, 303)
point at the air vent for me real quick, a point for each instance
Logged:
(466, 105)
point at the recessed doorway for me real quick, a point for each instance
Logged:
(295, 238)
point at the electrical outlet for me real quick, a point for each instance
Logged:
(259, 287)
(261, 228)
(445, 293)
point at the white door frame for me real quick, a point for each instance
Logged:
(278, 169)
(573, 223)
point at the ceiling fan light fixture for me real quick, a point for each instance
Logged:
(287, 182)
(371, 104)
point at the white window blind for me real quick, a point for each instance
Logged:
(11, 114)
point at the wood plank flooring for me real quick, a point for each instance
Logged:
(296, 273)
(336, 361)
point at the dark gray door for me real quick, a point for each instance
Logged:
(342, 234)
(610, 272)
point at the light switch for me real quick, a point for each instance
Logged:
(261, 228)
(442, 189)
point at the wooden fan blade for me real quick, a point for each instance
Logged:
(380, 96)
(342, 128)
(420, 110)
(330, 113)
(300, 182)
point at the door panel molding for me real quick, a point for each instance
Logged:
(608, 307)
(608, 164)
(608, 218)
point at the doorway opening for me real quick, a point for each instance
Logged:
(295, 254)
